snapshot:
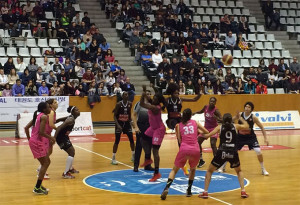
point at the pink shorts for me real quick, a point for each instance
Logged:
(183, 155)
(157, 134)
(38, 148)
(211, 129)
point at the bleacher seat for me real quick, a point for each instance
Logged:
(31, 42)
(270, 90)
(35, 52)
(2, 52)
(24, 52)
(53, 43)
(42, 42)
(11, 51)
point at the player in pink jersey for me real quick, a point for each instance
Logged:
(187, 135)
(212, 116)
(37, 144)
(157, 128)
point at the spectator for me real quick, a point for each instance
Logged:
(241, 42)
(199, 88)
(86, 59)
(243, 26)
(65, 21)
(102, 89)
(202, 75)
(79, 70)
(218, 88)
(93, 47)
(267, 9)
(50, 30)
(104, 46)
(185, 65)
(18, 90)
(23, 22)
(63, 77)
(117, 90)
(211, 76)
(115, 68)
(9, 65)
(7, 92)
(55, 89)
(33, 20)
(110, 80)
(10, 21)
(70, 10)
(109, 57)
(122, 77)
(76, 19)
(26, 77)
(60, 30)
(240, 86)
(104, 67)
(134, 41)
(51, 78)
(68, 66)
(229, 75)
(294, 76)
(87, 37)
(230, 41)
(245, 75)
(273, 79)
(5, 9)
(170, 75)
(46, 68)
(205, 59)
(129, 87)
(275, 19)
(261, 77)
(20, 66)
(93, 96)
(39, 77)
(234, 26)
(12, 77)
(80, 92)
(156, 58)
(273, 65)
(147, 60)
(189, 88)
(232, 87)
(43, 90)
(213, 64)
(80, 44)
(57, 66)
(30, 89)
(164, 66)
(28, 8)
(87, 79)
(32, 67)
(252, 75)
(160, 80)
(293, 87)
(225, 24)
(249, 87)
(282, 66)
(69, 89)
(39, 32)
(86, 19)
(294, 66)
(261, 88)
(38, 10)
(99, 77)
(262, 65)
(188, 49)
(182, 89)
(99, 56)
(209, 89)
(3, 79)
(286, 80)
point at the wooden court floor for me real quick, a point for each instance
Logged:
(18, 174)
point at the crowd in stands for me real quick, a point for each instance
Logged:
(177, 51)
(86, 67)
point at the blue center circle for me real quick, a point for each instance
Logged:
(127, 181)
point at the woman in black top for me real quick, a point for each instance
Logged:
(8, 65)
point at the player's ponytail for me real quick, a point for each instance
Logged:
(227, 120)
(186, 115)
(41, 107)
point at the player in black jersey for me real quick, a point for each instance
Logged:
(248, 137)
(227, 151)
(122, 117)
(174, 105)
(63, 140)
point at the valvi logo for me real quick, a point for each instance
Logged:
(278, 120)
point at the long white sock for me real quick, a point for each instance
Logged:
(69, 164)
(132, 152)
(262, 165)
(114, 156)
(39, 168)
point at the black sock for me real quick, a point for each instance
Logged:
(169, 182)
(190, 183)
(38, 183)
(156, 170)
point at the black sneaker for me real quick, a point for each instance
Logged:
(189, 193)
(201, 163)
(44, 188)
(40, 191)
(149, 168)
(135, 169)
(164, 194)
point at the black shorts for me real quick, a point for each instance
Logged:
(172, 122)
(126, 127)
(223, 156)
(250, 140)
(65, 144)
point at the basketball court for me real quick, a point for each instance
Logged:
(99, 182)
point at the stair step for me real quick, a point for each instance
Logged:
(132, 73)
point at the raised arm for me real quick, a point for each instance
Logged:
(258, 123)
(216, 130)
(148, 106)
(202, 129)
(28, 126)
(191, 99)
(200, 112)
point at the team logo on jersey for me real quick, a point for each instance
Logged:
(127, 181)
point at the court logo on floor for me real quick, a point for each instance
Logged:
(127, 181)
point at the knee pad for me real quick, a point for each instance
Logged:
(257, 150)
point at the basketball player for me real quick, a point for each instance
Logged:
(212, 116)
(248, 137)
(122, 117)
(140, 121)
(228, 151)
(157, 128)
(174, 106)
(63, 140)
(38, 145)
(187, 134)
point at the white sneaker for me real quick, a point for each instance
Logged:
(221, 170)
(120, 41)
(114, 162)
(264, 172)
(45, 177)
(132, 158)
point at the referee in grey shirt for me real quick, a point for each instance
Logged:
(141, 124)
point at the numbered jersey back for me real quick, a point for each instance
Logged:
(228, 137)
(189, 133)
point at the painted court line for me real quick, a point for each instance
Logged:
(90, 151)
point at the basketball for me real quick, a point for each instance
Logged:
(227, 59)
